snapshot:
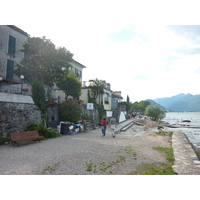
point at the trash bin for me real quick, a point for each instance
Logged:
(64, 128)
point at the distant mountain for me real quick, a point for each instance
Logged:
(154, 103)
(180, 102)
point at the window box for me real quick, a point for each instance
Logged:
(106, 102)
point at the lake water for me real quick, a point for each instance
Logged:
(193, 134)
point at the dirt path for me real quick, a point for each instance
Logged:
(85, 153)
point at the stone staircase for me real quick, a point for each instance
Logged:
(123, 126)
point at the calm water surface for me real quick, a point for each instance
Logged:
(192, 133)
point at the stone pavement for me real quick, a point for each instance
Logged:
(186, 161)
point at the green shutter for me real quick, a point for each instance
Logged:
(10, 68)
(11, 45)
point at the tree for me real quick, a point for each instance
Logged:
(155, 112)
(38, 95)
(136, 107)
(43, 61)
(144, 104)
(97, 88)
(127, 99)
(139, 107)
(70, 84)
(70, 111)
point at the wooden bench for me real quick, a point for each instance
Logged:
(24, 136)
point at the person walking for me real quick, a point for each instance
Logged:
(103, 126)
(113, 125)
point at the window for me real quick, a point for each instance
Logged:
(106, 98)
(11, 45)
(77, 72)
(10, 68)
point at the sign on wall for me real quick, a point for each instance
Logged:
(90, 106)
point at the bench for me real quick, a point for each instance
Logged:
(24, 136)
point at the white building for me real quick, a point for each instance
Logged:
(77, 68)
(11, 41)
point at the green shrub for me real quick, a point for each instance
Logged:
(1, 138)
(101, 110)
(43, 131)
(31, 127)
(70, 111)
(160, 128)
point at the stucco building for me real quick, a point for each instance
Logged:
(109, 99)
(11, 41)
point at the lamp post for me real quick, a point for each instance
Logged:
(1, 79)
(22, 78)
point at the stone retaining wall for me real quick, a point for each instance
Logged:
(14, 117)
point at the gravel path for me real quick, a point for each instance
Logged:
(85, 154)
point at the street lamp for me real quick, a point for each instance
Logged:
(1, 79)
(22, 78)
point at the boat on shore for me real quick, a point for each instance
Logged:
(186, 120)
(181, 126)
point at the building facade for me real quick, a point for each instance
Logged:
(59, 95)
(11, 41)
(108, 99)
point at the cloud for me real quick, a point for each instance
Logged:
(188, 51)
(190, 32)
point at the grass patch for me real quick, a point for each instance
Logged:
(151, 169)
(89, 166)
(163, 169)
(164, 133)
(168, 151)
(103, 167)
(51, 169)
(131, 151)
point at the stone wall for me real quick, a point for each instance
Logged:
(15, 117)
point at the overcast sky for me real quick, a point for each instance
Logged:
(127, 44)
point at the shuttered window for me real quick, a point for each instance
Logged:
(11, 45)
(10, 68)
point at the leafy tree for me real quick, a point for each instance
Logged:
(139, 107)
(97, 88)
(70, 111)
(136, 107)
(155, 112)
(42, 60)
(38, 95)
(70, 84)
(144, 104)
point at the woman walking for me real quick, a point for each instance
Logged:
(103, 125)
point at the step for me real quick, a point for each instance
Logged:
(126, 127)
